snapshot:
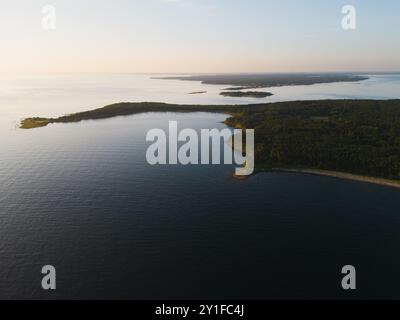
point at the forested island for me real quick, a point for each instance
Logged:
(246, 94)
(360, 137)
(263, 80)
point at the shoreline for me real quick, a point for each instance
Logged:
(316, 122)
(269, 80)
(343, 176)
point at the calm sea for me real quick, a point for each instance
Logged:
(82, 197)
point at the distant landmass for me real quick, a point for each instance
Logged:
(329, 137)
(198, 92)
(252, 81)
(247, 94)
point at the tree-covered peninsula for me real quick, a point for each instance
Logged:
(352, 136)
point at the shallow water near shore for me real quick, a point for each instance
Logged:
(82, 197)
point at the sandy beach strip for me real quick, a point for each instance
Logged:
(343, 175)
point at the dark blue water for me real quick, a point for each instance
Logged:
(81, 197)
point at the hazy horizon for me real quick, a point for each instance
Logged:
(377, 72)
(198, 36)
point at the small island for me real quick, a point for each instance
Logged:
(246, 94)
(347, 139)
(198, 92)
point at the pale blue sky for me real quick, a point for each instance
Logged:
(199, 36)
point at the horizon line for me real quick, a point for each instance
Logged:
(201, 73)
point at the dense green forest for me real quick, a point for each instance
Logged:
(354, 136)
(125, 109)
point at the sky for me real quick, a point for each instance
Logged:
(198, 36)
